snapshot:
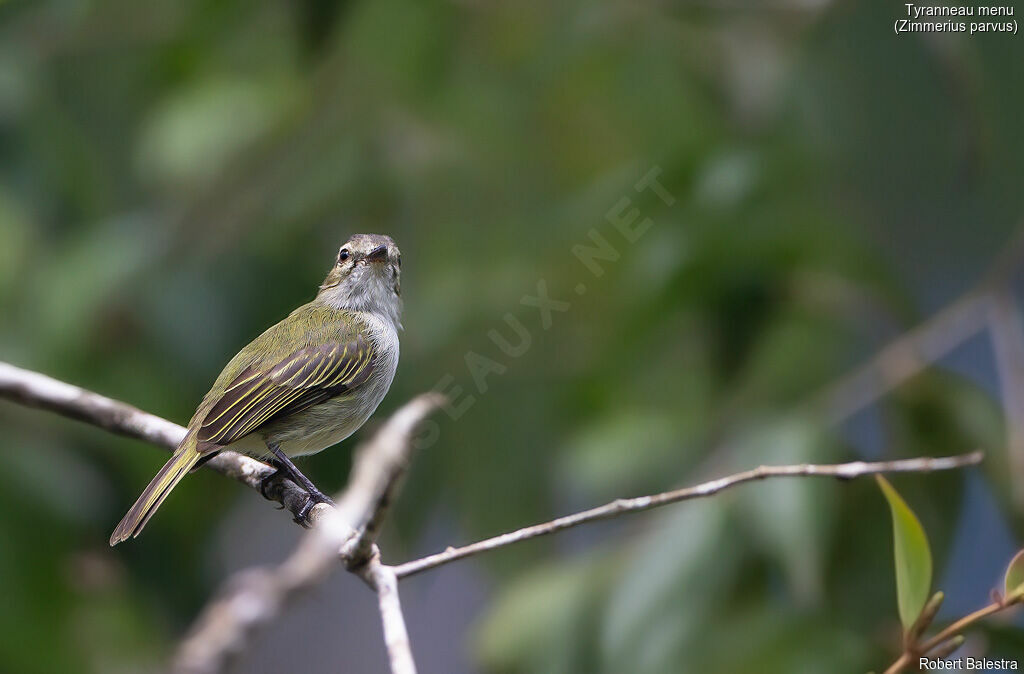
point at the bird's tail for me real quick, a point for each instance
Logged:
(152, 496)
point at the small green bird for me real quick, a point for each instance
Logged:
(303, 385)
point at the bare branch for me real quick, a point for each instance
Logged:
(377, 475)
(904, 357)
(350, 530)
(915, 350)
(396, 638)
(37, 390)
(843, 471)
(254, 598)
(933, 648)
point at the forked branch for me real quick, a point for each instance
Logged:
(348, 531)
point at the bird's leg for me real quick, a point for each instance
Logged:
(285, 465)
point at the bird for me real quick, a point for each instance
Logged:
(304, 385)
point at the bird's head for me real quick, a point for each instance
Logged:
(366, 276)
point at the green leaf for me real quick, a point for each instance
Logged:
(913, 557)
(1015, 575)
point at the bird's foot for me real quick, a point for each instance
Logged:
(269, 485)
(312, 498)
(285, 466)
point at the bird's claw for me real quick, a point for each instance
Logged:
(312, 498)
(266, 483)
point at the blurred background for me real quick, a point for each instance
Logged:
(177, 176)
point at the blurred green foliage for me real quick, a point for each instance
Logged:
(175, 176)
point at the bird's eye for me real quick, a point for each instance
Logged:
(343, 255)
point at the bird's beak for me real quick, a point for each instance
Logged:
(378, 254)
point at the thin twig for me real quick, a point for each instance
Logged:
(903, 358)
(960, 625)
(253, 598)
(843, 471)
(380, 467)
(257, 596)
(911, 352)
(350, 529)
(909, 655)
(396, 639)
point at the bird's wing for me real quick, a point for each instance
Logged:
(277, 387)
